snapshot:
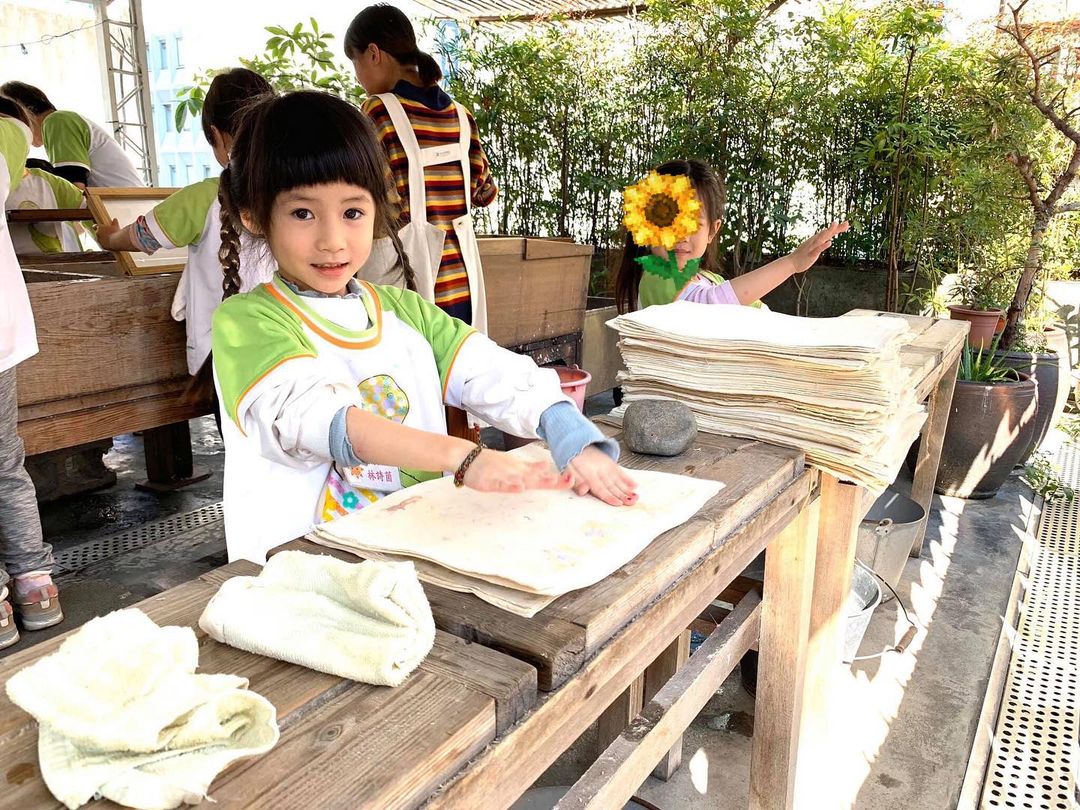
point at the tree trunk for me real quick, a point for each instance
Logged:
(1032, 263)
(892, 278)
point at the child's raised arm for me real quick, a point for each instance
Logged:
(750, 287)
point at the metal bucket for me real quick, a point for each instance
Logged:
(887, 533)
(863, 599)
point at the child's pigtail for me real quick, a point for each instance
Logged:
(406, 267)
(229, 253)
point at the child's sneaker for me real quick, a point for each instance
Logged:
(9, 632)
(38, 607)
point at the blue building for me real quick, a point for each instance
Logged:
(183, 156)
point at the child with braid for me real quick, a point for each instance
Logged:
(333, 389)
(190, 217)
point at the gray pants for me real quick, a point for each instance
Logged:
(22, 548)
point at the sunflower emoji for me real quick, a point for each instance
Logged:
(660, 210)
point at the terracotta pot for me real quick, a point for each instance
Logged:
(983, 322)
(990, 426)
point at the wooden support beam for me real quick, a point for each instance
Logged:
(614, 777)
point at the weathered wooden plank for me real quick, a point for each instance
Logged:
(555, 647)
(612, 780)
(102, 334)
(507, 769)
(511, 683)
(841, 511)
(658, 673)
(616, 717)
(785, 620)
(375, 748)
(124, 416)
(752, 474)
(933, 437)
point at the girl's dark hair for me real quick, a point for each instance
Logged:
(229, 94)
(389, 29)
(710, 192)
(13, 109)
(35, 101)
(299, 139)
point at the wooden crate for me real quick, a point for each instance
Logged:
(536, 288)
(600, 354)
(111, 359)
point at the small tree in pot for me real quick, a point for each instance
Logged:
(1037, 72)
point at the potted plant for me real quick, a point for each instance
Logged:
(978, 300)
(990, 427)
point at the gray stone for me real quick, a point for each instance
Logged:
(659, 427)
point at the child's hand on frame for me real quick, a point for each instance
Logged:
(495, 471)
(593, 472)
(804, 256)
(105, 233)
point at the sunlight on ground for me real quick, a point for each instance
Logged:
(870, 703)
(699, 771)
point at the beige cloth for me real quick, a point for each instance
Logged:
(514, 601)
(546, 542)
(832, 387)
(123, 714)
(368, 621)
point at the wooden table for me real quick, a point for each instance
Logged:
(930, 360)
(502, 696)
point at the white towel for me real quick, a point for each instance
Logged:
(122, 714)
(369, 621)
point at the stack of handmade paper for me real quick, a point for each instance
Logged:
(518, 551)
(833, 387)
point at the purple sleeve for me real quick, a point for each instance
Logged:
(703, 291)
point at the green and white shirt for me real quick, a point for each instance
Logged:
(285, 364)
(44, 190)
(192, 217)
(72, 140)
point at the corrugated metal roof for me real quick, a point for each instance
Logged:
(526, 11)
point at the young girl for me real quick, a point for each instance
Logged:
(634, 288)
(25, 558)
(191, 217)
(333, 390)
(434, 150)
(40, 189)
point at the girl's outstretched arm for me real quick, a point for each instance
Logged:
(378, 440)
(750, 287)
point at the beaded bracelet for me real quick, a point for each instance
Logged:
(459, 474)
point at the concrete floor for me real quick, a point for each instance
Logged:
(908, 719)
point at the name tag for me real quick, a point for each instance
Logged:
(373, 476)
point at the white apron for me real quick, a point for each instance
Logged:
(423, 242)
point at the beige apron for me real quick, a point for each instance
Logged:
(423, 242)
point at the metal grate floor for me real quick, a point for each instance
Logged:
(85, 554)
(1033, 763)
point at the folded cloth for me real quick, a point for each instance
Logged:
(123, 715)
(368, 622)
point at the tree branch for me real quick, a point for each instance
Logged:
(1017, 33)
(1067, 207)
(1065, 179)
(1023, 165)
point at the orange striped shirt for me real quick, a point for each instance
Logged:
(433, 116)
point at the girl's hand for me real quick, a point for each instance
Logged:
(495, 471)
(105, 233)
(594, 472)
(804, 256)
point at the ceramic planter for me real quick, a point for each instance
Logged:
(990, 427)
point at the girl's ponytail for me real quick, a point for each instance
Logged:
(229, 252)
(430, 72)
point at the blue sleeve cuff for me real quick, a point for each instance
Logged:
(567, 432)
(340, 446)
